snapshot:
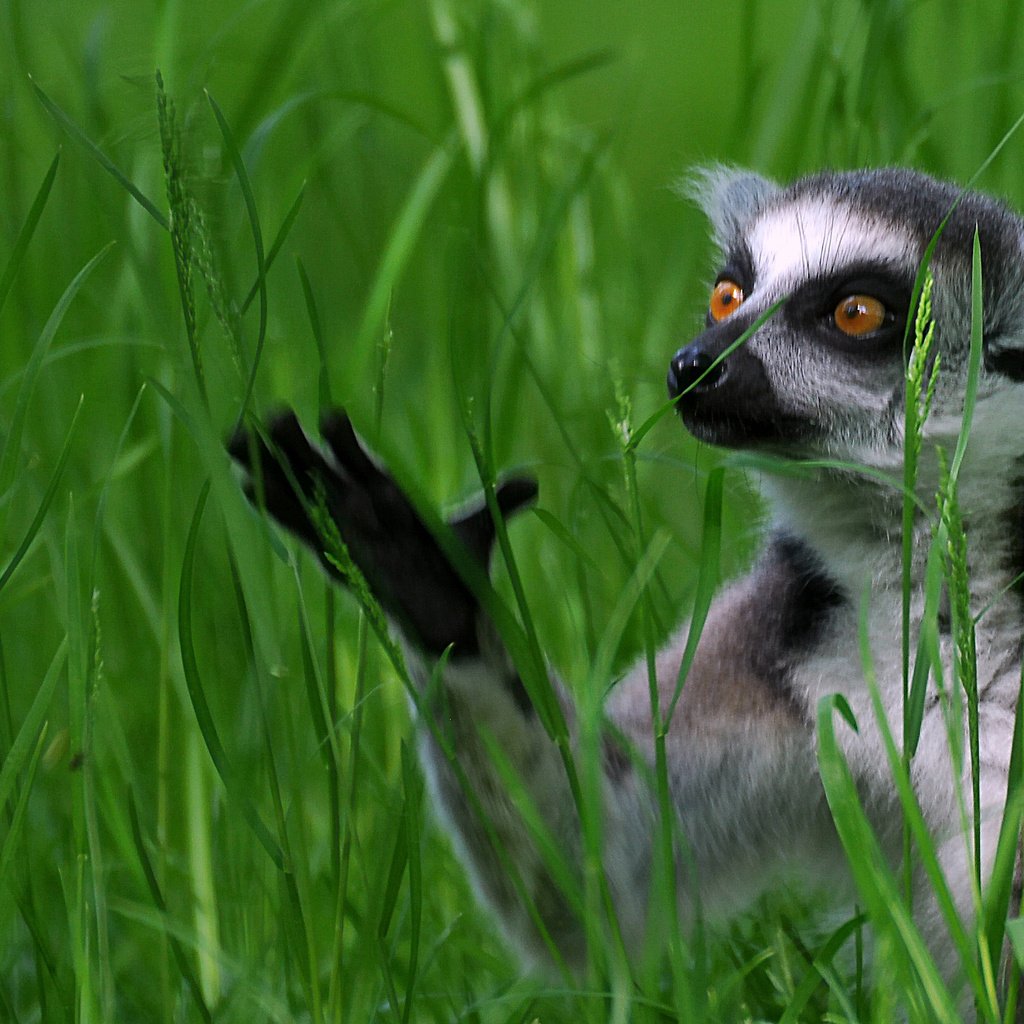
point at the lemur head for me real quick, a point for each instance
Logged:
(824, 376)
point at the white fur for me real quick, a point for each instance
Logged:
(790, 242)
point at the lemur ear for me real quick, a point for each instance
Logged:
(730, 197)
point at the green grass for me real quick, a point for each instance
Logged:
(454, 218)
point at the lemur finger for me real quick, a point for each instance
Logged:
(293, 452)
(279, 441)
(515, 493)
(281, 466)
(239, 447)
(476, 530)
(391, 508)
(336, 429)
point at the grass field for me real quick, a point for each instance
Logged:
(437, 213)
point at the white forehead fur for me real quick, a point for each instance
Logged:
(788, 243)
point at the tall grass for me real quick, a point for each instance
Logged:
(453, 218)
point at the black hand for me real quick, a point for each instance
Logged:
(403, 563)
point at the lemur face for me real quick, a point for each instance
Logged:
(824, 376)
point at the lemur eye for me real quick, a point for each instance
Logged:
(726, 298)
(857, 315)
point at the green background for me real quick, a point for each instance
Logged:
(490, 234)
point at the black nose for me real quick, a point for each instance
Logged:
(688, 366)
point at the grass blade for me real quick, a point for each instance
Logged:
(275, 247)
(411, 780)
(32, 724)
(1000, 887)
(197, 695)
(808, 468)
(821, 970)
(915, 821)
(565, 72)
(323, 381)
(707, 580)
(153, 883)
(395, 873)
(44, 504)
(532, 668)
(565, 535)
(871, 873)
(98, 155)
(10, 842)
(973, 363)
(184, 221)
(257, 237)
(26, 232)
(12, 444)
(929, 656)
(396, 255)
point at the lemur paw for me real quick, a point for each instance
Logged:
(299, 482)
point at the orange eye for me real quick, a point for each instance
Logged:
(858, 315)
(726, 298)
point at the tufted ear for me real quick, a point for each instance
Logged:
(730, 196)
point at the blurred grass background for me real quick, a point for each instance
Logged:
(486, 228)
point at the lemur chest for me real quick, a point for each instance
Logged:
(862, 649)
(853, 648)
(779, 640)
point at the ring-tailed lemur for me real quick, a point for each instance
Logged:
(821, 379)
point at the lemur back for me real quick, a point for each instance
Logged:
(820, 383)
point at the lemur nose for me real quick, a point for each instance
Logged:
(688, 366)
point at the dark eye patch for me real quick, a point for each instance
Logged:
(893, 293)
(813, 304)
(892, 288)
(739, 267)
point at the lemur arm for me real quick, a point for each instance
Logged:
(738, 757)
(482, 696)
